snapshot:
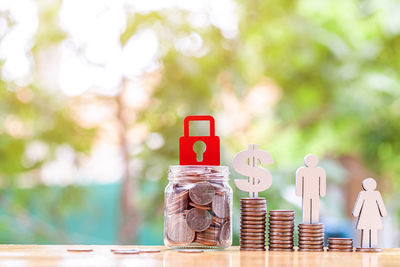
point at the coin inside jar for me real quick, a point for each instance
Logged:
(180, 232)
(198, 219)
(202, 198)
(220, 206)
(202, 193)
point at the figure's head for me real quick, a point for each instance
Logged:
(369, 184)
(311, 160)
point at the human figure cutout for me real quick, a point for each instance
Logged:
(369, 209)
(310, 185)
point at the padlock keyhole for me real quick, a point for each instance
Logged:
(199, 148)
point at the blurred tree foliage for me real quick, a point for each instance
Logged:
(330, 69)
(30, 114)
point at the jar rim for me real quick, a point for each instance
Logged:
(198, 172)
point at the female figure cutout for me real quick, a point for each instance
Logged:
(369, 209)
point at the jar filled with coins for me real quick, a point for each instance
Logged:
(198, 207)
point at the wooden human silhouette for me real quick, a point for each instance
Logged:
(310, 185)
(369, 208)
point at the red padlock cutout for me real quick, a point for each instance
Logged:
(211, 155)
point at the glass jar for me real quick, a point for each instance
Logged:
(198, 207)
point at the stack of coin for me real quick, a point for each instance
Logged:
(178, 202)
(311, 237)
(253, 213)
(340, 244)
(208, 237)
(198, 214)
(281, 230)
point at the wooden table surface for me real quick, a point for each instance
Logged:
(49, 255)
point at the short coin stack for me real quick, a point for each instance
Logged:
(311, 237)
(253, 223)
(336, 244)
(281, 230)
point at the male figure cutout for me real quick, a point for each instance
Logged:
(310, 184)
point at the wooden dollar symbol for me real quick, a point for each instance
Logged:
(246, 163)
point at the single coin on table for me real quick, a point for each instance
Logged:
(150, 250)
(126, 252)
(123, 249)
(79, 250)
(190, 250)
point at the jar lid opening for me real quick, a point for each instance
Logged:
(198, 172)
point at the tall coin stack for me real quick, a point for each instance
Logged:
(340, 244)
(311, 237)
(281, 230)
(253, 213)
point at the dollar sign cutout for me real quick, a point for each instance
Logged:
(246, 163)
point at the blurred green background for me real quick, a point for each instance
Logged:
(93, 95)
